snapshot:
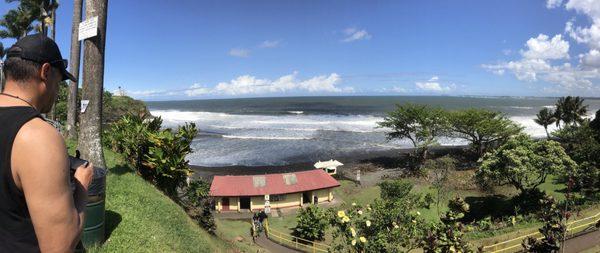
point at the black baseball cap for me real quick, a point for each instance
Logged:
(41, 49)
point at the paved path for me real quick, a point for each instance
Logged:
(271, 246)
(582, 242)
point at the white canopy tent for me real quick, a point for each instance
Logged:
(329, 166)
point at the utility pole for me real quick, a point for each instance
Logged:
(90, 127)
(75, 55)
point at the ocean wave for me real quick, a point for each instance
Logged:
(296, 112)
(266, 137)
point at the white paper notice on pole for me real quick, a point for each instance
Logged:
(84, 105)
(88, 28)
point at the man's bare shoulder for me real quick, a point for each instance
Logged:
(39, 132)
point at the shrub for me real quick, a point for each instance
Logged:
(198, 204)
(553, 229)
(165, 162)
(311, 224)
(447, 236)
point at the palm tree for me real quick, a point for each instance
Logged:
(72, 106)
(545, 118)
(570, 110)
(90, 127)
(40, 10)
(16, 23)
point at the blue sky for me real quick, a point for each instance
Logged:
(162, 50)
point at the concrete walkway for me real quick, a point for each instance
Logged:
(271, 246)
(582, 242)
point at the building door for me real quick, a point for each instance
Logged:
(245, 203)
(225, 204)
(306, 197)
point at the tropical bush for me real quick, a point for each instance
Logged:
(159, 156)
(388, 225)
(165, 162)
(553, 229)
(311, 224)
(447, 236)
(198, 204)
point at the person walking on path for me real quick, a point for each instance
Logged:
(38, 209)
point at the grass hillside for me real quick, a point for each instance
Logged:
(139, 218)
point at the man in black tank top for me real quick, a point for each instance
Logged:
(38, 209)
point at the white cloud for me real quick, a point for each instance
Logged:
(399, 89)
(550, 4)
(239, 52)
(542, 48)
(590, 8)
(354, 34)
(433, 85)
(591, 58)
(269, 44)
(251, 85)
(197, 90)
(546, 59)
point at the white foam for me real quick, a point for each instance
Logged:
(265, 137)
(299, 122)
(296, 112)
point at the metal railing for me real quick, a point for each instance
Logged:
(293, 241)
(514, 244)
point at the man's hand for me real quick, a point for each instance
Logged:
(84, 174)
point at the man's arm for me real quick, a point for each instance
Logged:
(40, 160)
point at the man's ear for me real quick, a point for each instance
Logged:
(45, 71)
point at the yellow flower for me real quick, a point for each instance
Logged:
(418, 213)
(341, 214)
(353, 232)
(360, 212)
(414, 221)
(345, 219)
(362, 239)
(368, 223)
(353, 242)
(396, 226)
(353, 204)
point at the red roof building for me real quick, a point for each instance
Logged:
(256, 192)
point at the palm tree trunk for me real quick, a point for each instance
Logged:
(52, 113)
(547, 134)
(75, 55)
(90, 142)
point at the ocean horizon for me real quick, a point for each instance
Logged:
(278, 131)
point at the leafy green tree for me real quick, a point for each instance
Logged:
(16, 23)
(570, 110)
(523, 163)
(545, 118)
(482, 128)
(595, 125)
(583, 146)
(553, 229)
(439, 170)
(421, 124)
(447, 236)
(311, 223)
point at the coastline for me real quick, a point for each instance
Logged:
(383, 159)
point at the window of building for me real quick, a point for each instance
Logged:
(276, 198)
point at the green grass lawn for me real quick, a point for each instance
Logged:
(139, 218)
